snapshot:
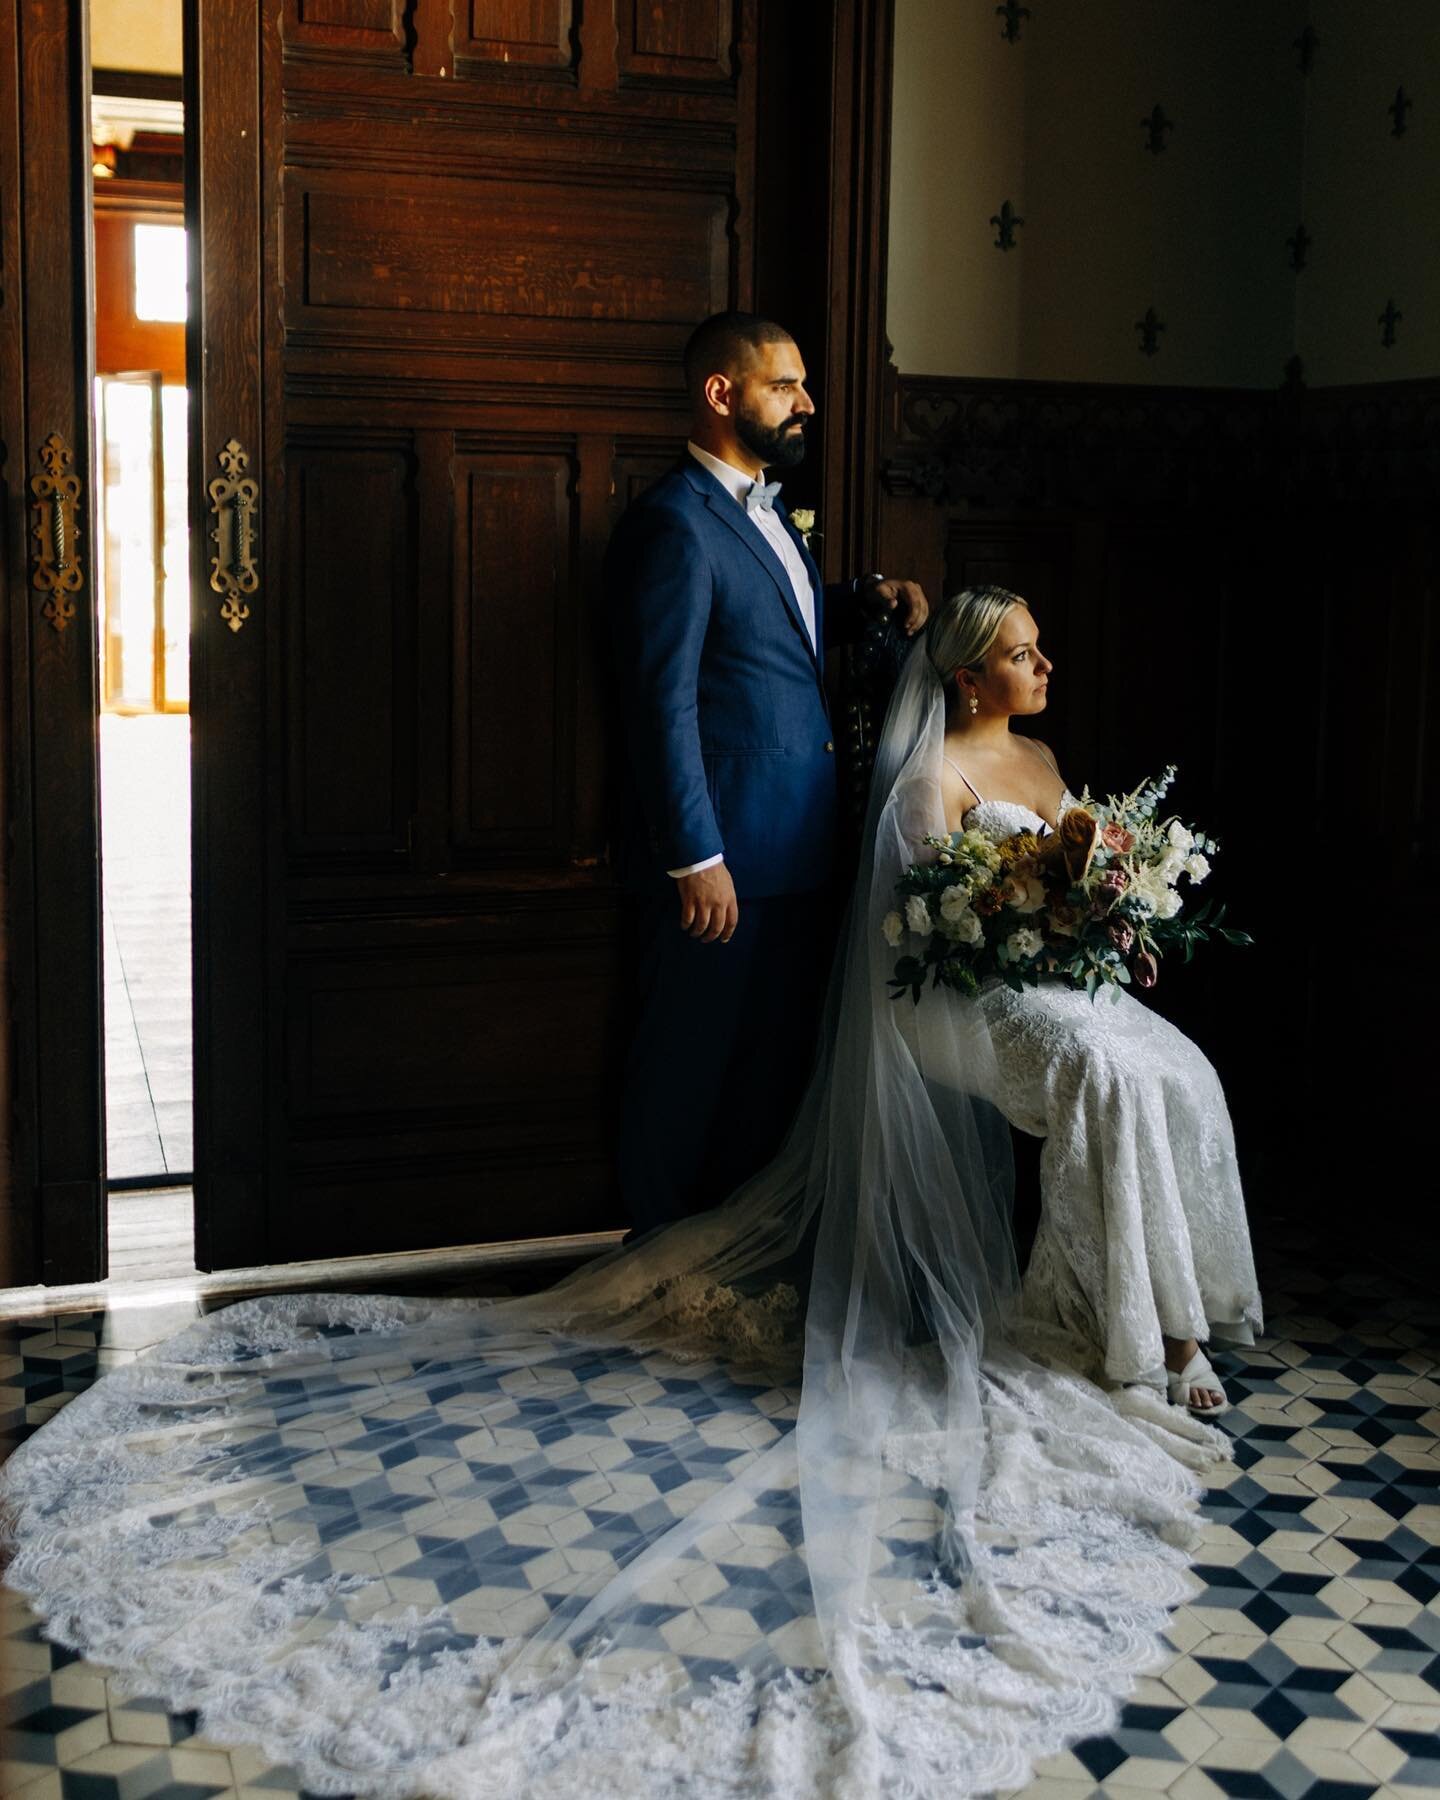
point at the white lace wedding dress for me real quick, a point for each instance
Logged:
(787, 1500)
(1142, 1224)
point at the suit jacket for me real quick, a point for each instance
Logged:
(730, 746)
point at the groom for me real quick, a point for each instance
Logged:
(720, 621)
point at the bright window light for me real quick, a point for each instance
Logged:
(160, 273)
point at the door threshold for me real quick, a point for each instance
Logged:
(329, 1274)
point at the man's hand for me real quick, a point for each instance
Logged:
(708, 907)
(906, 599)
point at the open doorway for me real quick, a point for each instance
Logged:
(142, 589)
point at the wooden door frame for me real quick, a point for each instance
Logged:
(822, 243)
(55, 1164)
(232, 759)
(858, 246)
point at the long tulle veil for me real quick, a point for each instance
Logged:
(771, 1502)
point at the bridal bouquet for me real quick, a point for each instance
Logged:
(1097, 902)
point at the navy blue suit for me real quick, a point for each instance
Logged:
(729, 749)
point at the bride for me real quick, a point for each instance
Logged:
(1142, 1248)
(790, 1498)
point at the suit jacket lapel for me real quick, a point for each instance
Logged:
(734, 518)
(817, 586)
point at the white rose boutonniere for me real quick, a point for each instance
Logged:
(803, 519)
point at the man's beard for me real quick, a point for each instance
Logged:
(777, 446)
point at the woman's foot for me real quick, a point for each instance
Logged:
(1191, 1381)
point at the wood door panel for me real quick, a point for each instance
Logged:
(688, 43)
(471, 1033)
(638, 466)
(470, 1200)
(371, 31)
(516, 520)
(374, 252)
(533, 34)
(350, 678)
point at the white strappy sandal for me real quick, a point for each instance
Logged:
(1196, 1373)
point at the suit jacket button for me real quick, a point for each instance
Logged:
(830, 749)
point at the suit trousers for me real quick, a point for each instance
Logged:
(722, 1045)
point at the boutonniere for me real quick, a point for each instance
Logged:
(803, 519)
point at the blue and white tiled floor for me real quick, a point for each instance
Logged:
(1308, 1668)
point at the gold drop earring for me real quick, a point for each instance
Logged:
(974, 705)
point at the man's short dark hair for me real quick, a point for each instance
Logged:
(724, 343)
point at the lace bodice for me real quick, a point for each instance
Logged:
(1000, 819)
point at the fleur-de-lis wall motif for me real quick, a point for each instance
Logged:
(1150, 328)
(1012, 13)
(1397, 110)
(1005, 223)
(1387, 321)
(1299, 247)
(1156, 124)
(1305, 47)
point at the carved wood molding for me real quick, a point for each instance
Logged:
(995, 445)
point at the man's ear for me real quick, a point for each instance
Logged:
(718, 390)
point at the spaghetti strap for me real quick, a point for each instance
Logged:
(963, 776)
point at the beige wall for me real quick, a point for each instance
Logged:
(1372, 201)
(1053, 124)
(136, 34)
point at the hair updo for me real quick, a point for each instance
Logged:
(963, 629)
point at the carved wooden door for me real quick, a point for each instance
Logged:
(449, 251)
(48, 813)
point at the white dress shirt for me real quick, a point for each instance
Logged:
(737, 483)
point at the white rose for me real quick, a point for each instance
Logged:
(964, 927)
(1180, 837)
(1197, 867)
(1024, 944)
(894, 928)
(917, 915)
(1169, 904)
(954, 901)
(1025, 893)
(1171, 863)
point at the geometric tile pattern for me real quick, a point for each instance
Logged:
(1306, 1668)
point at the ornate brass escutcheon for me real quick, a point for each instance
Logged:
(56, 572)
(233, 501)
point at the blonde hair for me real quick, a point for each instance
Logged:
(963, 629)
